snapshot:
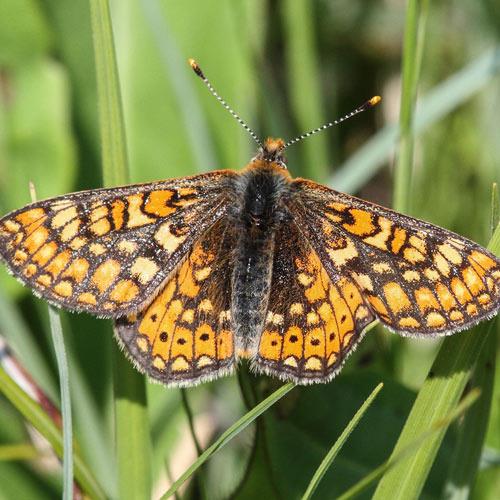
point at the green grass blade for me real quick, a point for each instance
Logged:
(416, 17)
(303, 77)
(24, 347)
(131, 417)
(183, 82)
(112, 129)
(62, 366)
(411, 447)
(35, 415)
(467, 453)
(337, 446)
(22, 451)
(440, 393)
(439, 102)
(229, 434)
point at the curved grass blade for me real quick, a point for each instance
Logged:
(440, 393)
(411, 447)
(229, 434)
(131, 417)
(416, 20)
(35, 415)
(467, 453)
(440, 101)
(337, 446)
(62, 366)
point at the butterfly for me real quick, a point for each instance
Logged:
(201, 271)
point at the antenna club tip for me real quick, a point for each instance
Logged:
(374, 100)
(196, 68)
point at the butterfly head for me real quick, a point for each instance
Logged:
(272, 152)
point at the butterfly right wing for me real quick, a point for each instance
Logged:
(107, 251)
(184, 336)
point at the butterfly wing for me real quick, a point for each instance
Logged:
(184, 336)
(419, 279)
(314, 320)
(107, 251)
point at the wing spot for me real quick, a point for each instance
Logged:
(435, 320)
(413, 255)
(164, 337)
(204, 337)
(290, 361)
(363, 222)
(97, 249)
(396, 297)
(471, 309)
(158, 363)
(409, 322)
(77, 243)
(296, 309)
(180, 364)
(293, 339)
(315, 342)
(153, 317)
(456, 315)
(484, 298)
(30, 270)
(124, 291)
(101, 227)
(142, 344)
(381, 267)
(87, 298)
(204, 361)
(426, 299)
(411, 275)
(450, 253)
(313, 364)
(63, 289)
(442, 264)
(64, 216)
(144, 269)
(127, 246)
(460, 290)
(106, 274)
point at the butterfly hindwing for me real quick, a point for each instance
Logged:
(419, 279)
(184, 336)
(313, 321)
(107, 251)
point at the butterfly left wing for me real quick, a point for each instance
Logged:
(313, 321)
(418, 278)
(107, 251)
(184, 336)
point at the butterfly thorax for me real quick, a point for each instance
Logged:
(257, 212)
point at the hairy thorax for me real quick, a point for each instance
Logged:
(260, 192)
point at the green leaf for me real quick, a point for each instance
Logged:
(337, 446)
(438, 396)
(229, 434)
(131, 416)
(42, 422)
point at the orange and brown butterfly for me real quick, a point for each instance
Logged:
(201, 271)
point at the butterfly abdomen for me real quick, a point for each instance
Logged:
(255, 218)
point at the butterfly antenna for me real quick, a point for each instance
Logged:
(199, 72)
(368, 104)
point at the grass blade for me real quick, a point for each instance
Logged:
(439, 102)
(131, 418)
(234, 430)
(440, 393)
(303, 78)
(410, 448)
(337, 446)
(416, 17)
(62, 366)
(34, 414)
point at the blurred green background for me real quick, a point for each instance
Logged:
(286, 67)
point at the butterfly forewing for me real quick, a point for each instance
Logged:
(419, 279)
(184, 336)
(313, 321)
(107, 251)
